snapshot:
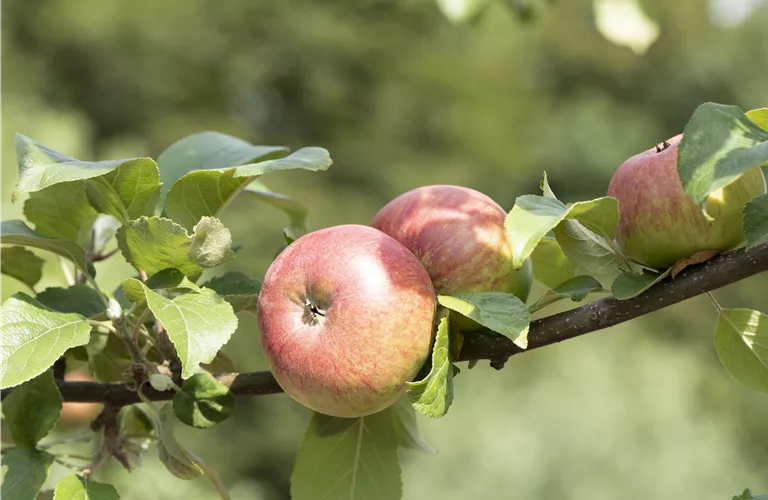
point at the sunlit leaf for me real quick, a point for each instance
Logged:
(500, 312)
(433, 395)
(34, 337)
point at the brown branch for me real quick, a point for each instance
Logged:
(694, 280)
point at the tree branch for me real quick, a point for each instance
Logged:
(694, 280)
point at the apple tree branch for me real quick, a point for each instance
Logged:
(695, 280)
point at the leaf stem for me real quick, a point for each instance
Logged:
(67, 272)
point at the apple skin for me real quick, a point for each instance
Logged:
(659, 225)
(458, 235)
(346, 315)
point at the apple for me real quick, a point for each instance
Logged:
(458, 235)
(659, 225)
(346, 316)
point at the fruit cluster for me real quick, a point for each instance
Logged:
(347, 313)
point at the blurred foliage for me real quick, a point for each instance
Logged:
(402, 97)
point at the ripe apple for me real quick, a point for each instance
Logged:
(458, 235)
(346, 316)
(659, 224)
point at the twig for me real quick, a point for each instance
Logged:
(694, 280)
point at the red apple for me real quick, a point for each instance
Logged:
(659, 225)
(458, 235)
(346, 316)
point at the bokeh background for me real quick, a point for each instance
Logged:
(402, 97)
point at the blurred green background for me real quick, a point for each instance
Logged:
(402, 97)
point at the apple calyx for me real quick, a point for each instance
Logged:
(314, 313)
(661, 147)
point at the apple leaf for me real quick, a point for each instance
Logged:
(203, 401)
(74, 487)
(32, 409)
(534, 216)
(15, 232)
(296, 212)
(406, 428)
(500, 312)
(747, 495)
(238, 289)
(575, 289)
(755, 221)
(62, 211)
(198, 324)
(550, 265)
(34, 337)
(128, 192)
(207, 192)
(348, 459)
(210, 150)
(20, 263)
(27, 471)
(719, 144)
(108, 358)
(592, 252)
(168, 279)
(741, 341)
(177, 459)
(433, 395)
(79, 299)
(628, 285)
(759, 116)
(153, 244)
(41, 166)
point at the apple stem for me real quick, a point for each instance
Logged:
(661, 147)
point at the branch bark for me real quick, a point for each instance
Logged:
(694, 280)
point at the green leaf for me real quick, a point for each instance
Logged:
(550, 265)
(406, 429)
(177, 459)
(18, 262)
(62, 211)
(154, 244)
(238, 289)
(128, 192)
(755, 222)
(210, 150)
(171, 279)
(501, 312)
(78, 299)
(208, 192)
(348, 459)
(533, 217)
(719, 144)
(590, 251)
(32, 409)
(296, 212)
(747, 495)
(203, 401)
(433, 395)
(75, 487)
(41, 166)
(15, 232)
(741, 340)
(628, 285)
(27, 470)
(759, 116)
(34, 337)
(576, 289)
(108, 358)
(198, 324)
